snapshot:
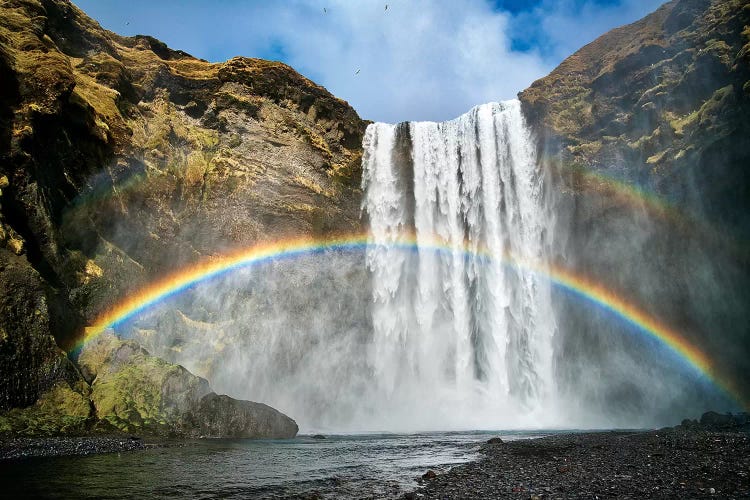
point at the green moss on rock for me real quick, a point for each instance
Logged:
(61, 410)
(135, 392)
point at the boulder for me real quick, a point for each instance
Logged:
(715, 421)
(222, 416)
(135, 392)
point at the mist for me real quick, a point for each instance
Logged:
(399, 339)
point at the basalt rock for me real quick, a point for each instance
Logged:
(222, 416)
(31, 363)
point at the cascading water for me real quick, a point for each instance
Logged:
(445, 334)
(467, 335)
(434, 327)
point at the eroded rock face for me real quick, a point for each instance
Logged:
(126, 159)
(645, 132)
(135, 392)
(661, 103)
(31, 363)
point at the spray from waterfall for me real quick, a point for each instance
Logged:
(443, 316)
(466, 331)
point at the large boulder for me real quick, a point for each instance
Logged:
(139, 393)
(222, 416)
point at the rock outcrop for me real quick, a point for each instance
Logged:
(644, 132)
(133, 392)
(139, 393)
(122, 159)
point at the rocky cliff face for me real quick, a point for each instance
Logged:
(121, 159)
(646, 133)
(128, 390)
(662, 104)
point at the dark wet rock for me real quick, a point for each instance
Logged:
(222, 416)
(495, 440)
(688, 423)
(318, 436)
(430, 474)
(729, 421)
(668, 463)
(31, 363)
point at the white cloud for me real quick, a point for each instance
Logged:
(418, 60)
(569, 27)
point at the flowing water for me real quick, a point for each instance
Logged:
(361, 466)
(473, 329)
(442, 333)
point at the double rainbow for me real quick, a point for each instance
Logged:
(203, 271)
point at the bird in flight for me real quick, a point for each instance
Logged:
(357, 72)
(325, 11)
(386, 6)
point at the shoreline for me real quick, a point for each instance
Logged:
(19, 448)
(679, 462)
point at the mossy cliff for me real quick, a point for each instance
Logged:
(124, 158)
(645, 133)
(121, 159)
(661, 103)
(133, 392)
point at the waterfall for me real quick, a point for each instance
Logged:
(446, 320)
(439, 335)
(457, 326)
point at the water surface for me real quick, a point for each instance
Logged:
(352, 466)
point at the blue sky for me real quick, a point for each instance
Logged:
(416, 60)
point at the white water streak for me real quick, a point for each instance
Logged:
(472, 338)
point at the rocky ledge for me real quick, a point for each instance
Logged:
(693, 460)
(126, 390)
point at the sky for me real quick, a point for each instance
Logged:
(414, 60)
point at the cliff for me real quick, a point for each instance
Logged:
(121, 159)
(645, 135)
(661, 103)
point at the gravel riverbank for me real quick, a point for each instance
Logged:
(669, 463)
(19, 447)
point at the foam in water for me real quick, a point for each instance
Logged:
(470, 339)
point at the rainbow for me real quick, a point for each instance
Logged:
(176, 283)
